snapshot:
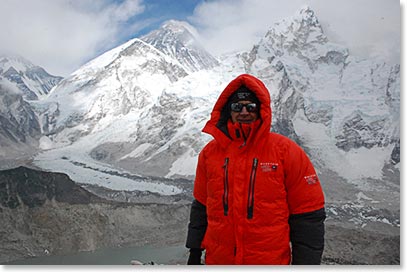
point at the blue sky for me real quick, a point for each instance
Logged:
(158, 11)
(61, 35)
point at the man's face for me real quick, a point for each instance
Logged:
(246, 112)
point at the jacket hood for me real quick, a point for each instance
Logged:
(215, 126)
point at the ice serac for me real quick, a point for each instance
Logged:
(32, 80)
(181, 41)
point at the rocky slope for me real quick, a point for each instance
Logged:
(45, 213)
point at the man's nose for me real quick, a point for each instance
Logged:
(244, 111)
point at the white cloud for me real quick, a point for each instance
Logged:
(229, 25)
(122, 12)
(366, 27)
(62, 34)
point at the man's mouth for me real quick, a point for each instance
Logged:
(246, 121)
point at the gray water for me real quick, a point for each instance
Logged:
(118, 256)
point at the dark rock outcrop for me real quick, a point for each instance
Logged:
(32, 188)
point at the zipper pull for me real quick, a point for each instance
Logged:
(226, 163)
(255, 162)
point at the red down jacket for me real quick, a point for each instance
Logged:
(250, 187)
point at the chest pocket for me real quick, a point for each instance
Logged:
(215, 173)
(270, 185)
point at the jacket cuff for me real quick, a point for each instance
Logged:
(307, 232)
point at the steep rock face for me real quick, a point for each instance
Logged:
(47, 213)
(19, 126)
(33, 81)
(179, 40)
(20, 82)
(18, 120)
(300, 36)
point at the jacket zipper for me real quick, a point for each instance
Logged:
(226, 188)
(250, 200)
(245, 137)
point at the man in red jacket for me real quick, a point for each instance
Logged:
(258, 199)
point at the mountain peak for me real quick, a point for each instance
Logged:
(17, 62)
(300, 34)
(305, 20)
(179, 40)
(179, 27)
(307, 15)
(31, 79)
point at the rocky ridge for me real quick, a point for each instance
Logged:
(32, 80)
(20, 82)
(44, 213)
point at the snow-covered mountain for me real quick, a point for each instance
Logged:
(20, 82)
(140, 107)
(133, 108)
(32, 80)
(341, 108)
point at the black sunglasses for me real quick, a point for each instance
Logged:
(238, 107)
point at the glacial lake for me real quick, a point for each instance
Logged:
(118, 256)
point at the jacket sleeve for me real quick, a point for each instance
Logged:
(306, 203)
(307, 237)
(200, 183)
(304, 191)
(198, 217)
(197, 225)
